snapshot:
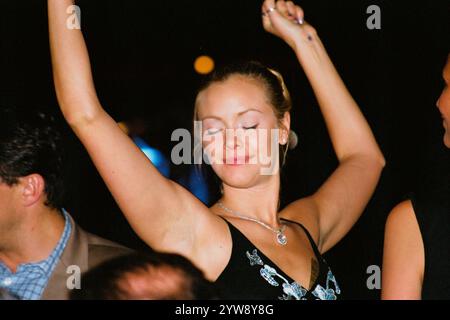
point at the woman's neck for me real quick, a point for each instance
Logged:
(259, 202)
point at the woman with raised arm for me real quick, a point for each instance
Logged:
(243, 242)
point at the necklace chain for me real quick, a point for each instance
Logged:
(280, 236)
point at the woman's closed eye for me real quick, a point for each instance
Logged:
(212, 131)
(252, 127)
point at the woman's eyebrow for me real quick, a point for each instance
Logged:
(248, 110)
(211, 117)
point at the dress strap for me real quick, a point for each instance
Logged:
(310, 238)
(237, 238)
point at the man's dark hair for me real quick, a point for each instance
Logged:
(150, 276)
(30, 143)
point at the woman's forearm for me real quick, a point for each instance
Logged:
(349, 131)
(71, 67)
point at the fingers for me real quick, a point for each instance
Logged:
(282, 8)
(266, 7)
(287, 9)
(266, 21)
(291, 9)
(268, 4)
(299, 15)
(277, 12)
(295, 12)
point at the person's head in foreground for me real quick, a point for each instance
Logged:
(150, 276)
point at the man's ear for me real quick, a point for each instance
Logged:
(33, 189)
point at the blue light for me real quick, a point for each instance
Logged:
(156, 157)
(193, 181)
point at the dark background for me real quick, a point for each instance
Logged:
(142, 54)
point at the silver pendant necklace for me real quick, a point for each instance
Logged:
(280, 236)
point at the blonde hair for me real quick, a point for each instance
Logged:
(276, 90)
(273, 82)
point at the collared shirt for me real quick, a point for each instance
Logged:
(30, 279)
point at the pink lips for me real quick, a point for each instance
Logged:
(236, 161)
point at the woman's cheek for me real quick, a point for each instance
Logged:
(213, 148)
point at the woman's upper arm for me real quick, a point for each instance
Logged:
(163, 213)
(342, 198)
(403, 256)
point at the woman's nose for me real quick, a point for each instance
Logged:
(231, 139)
(235, 140)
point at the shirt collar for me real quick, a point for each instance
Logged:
(45, 267)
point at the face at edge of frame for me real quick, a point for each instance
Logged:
(443, 103)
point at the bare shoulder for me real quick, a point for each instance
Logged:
(403, 256)
(402, 229)
(402, 219)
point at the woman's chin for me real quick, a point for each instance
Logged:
(242, 176)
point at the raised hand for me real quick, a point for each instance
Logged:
(286, 20)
